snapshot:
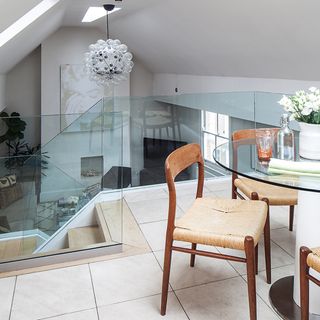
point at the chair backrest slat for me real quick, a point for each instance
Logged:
(244, 137)
(182, 158)
(248, 134)
(176, 162)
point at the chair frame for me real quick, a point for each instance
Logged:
(176, 162)
(247, 134)
(305, 277)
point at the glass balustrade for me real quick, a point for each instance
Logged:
(46, 196)
(74, 183)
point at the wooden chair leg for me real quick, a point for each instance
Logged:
(234, 193)
(267, 246)
(256, 258)
(249, 250)
(193, 256)
(304, 283)
(233, 187)
(254, 196)
(291, 217)
(166, 276)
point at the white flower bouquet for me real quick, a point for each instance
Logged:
(303, 106)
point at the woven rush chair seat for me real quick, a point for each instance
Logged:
(313, 259)
(222, 222)
(277, 196)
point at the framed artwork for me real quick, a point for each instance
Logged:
(78, 93)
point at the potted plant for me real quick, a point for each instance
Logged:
(15, 127)
(22, 158)
(304, 107)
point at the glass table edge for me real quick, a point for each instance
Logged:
(282, 185)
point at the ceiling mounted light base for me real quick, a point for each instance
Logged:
(109, 7)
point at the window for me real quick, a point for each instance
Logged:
(215, 132)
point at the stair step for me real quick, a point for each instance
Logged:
(84, 237)
(110, 218)
(102, 224)
(18, 247)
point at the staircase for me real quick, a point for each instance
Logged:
(59, 210)
(106, 231)
(112, 224)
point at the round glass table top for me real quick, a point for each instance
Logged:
(241, 157)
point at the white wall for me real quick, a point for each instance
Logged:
(66, 46)
(165, 84)
(23, 94)
(23, 88)
(2, 91)
(141, 80)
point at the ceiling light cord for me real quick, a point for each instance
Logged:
(108, 36)
(108, 8)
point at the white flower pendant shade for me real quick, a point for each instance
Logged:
(108, 62)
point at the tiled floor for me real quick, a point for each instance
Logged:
(130, 287)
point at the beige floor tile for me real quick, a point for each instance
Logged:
(279, 258)
(225, 194)
(151, 210)
(126, 279)
(279, 217)
(155, 234)
(52, 293)
(6, 294)
(277, 273)
(285, 239)
(185, 202)
(225, 300)
(205, 270)
(145, 308)
(81, 315)
(186, 188)
(146, 193)
(218, 184)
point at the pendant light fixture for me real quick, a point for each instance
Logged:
(108, 62)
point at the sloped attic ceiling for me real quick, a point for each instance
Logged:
(13, 9)
(13, 51)
(64, 13)
(248, 38)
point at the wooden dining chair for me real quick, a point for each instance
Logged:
(227, 223)
(277, 196)
(308, 259)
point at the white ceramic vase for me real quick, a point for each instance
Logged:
(309, 141)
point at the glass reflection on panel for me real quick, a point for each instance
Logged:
(223, 125)
(224, 155)
(209, 145)
(215, 130)
(210, 123)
